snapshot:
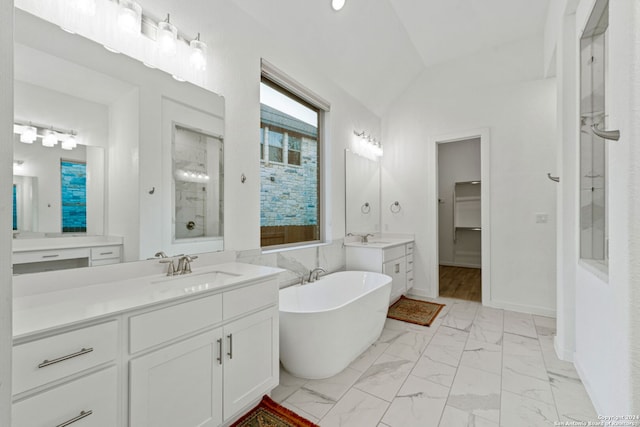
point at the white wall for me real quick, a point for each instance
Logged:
(6, 156)
(458, 161)
(501, 89)
(605, 347)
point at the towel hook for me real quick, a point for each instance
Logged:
(395, 207)
(553, 178)
(366, 208)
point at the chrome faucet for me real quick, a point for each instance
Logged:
(313, 274)
(365, 238)
(160, 255)
(171, 270)
(184, 264)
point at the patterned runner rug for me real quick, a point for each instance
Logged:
(414, 311)
(270, 414)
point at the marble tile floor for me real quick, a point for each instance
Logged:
(475, 366)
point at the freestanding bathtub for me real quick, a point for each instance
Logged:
(327, 324)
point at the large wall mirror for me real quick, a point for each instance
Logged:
(124, 133)
(362, 179)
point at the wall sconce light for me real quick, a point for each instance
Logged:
(337, 4)
(167, 37)
(49, 138)
(198, 54)
(191, 176)
(130, 16)
(69, 142)
(367, 146)
(28, 134)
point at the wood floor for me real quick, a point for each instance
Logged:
(460, 282)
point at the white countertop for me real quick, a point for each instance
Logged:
(25, 244)
(381, 242)
(42, 312)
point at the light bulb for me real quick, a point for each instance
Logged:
(50, 139)
(29, 134)
(337, 4)
(130, 16)
(198, 54)
(167, 37)
(69, 143)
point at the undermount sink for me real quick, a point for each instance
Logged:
(204, 277)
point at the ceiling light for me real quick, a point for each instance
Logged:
(130, 16)
(28, 135)
(198, 54)
(337, 4)
(167, 37)
(50, 139)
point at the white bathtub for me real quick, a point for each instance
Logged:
(327, 324)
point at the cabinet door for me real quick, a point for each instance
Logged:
(179, 385)
(397, 270)
(251, 359)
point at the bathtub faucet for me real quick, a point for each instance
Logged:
(313, 274)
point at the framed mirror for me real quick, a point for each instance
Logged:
(118, 181)
(362, 204)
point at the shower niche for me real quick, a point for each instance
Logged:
(593, 145)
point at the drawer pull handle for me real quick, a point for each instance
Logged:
(51, 256)
(46, 363)
(397, 268)
(82, 415)
(106, 253)
(219, 358)
(230, 353)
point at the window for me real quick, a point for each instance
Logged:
(290, 167)
(73, 183)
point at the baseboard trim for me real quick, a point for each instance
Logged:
(587, 385)
(419, 293)
(562, 353)
(530, 309)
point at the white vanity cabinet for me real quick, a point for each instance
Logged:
(198, 359)
(394, 260)
(69, 376)
(206, 379)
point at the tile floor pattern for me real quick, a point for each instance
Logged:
(475, 366)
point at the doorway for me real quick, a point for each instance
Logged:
(459, 203)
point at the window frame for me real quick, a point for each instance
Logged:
(321, 108)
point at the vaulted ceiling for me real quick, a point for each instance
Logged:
(374, 49)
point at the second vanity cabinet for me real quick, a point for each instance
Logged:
(394, 260)
(194, 361)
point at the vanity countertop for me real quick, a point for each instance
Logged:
(22, 244)
(39, 313)
(381, 242)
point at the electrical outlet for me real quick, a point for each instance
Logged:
(542, 218)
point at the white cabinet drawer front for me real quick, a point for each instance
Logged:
(105, 252)
(48, 359)
(393, 253)
(409, 248)
(244, 300)
(409, 262)
(88, 401)
(153, 328)
(52, 255)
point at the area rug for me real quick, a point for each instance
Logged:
(270, 414)
(414, 311)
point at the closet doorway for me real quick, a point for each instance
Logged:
(462, 215)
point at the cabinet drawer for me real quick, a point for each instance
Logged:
(249, 298)
(48, 359)
(410, 262)
(105, 252)
(52, 255)
(409, 248)
(165, 324)
(90, 400)
(393, 253)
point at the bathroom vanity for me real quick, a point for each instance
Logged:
(391, 256)
(189, 350)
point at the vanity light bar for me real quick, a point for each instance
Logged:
(368, 146)
(50, 135)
